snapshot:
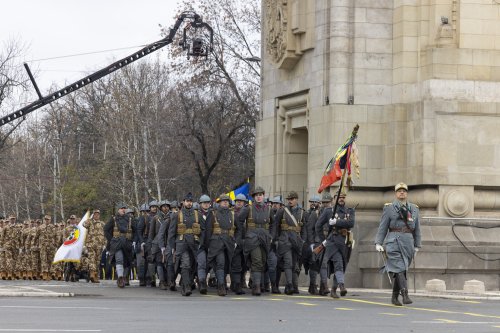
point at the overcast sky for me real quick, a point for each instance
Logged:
(53, 28)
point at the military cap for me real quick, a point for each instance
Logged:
(204, 198)
(225, 197)
(327, 197)
(241, 197)
(189, 196)
(154, 203)
(72, 217)
(314, 198)
(98, 211)
(276, 199)
(174, 203)
(165, 203)
(257, 190)
(121, 205)
(400, 186)
(12, 217)
(292, 195)
(144, 208)
(38, 221)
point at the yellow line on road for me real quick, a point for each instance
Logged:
(392, 314)
(240, 298)
(344, 309)
(307, 304)
(472, 302)
(276, 299)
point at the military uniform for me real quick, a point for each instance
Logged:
(47, 244)
(151, 234)
(336, 252)
(156, 256)
(259, 225)
(308, 235)
(141, 239)
(11, 247)
(95, 242)
(184, 240)
(3, 272)
(35, 250)
(289, 223)
(119, 232)
(400, 228)
(238, 267)
(221, 237)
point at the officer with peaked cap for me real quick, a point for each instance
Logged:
(400, 228)
(120, 231)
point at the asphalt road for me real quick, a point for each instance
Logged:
(105, 308)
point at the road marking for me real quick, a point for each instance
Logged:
(392, 314)
(43, 330)
(344, 309)
(241, 298)
(275, 299)
(307, 304)
(448, 321)
(472, 302)
(55, 307)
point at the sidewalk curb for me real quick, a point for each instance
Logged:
(34, 294)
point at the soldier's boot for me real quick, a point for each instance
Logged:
(3, 276)
(142, 282)
(403, 288)
(333, 293)
(120, 282)
(238, 290)
(163, 285)
(343, 290)
(275, 289)
(243, 282)
(313, 289)
(9, 276)
(395, 293)
(94, 278)
(289, 289)
(323, 289)
(185, 283)
(256, 283)
(295, 282)
(203, 286)
(221, 290)
(267, 287)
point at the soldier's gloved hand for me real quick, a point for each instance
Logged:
(332, 221)
(235, 245)
(163, 250)
(133, 244)
(416, 251)
(142, 246)
(379, 248)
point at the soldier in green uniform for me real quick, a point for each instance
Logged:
(259, 225)
(119, 232)
(400, 228)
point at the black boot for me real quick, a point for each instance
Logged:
(295, 282)
(203, 286)
(313, 289)
(395, 293)
(142, 283)
(237, 289)
(256, 283)
(323, 289)
(289, 289)
(403, 288)
(243, 282)
(275, 289)
(185, 283)
(343, 291)
(333, 293)
(221, 290)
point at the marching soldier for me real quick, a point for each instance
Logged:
(47, 245)
(156, 257)
(238, 260)
(141, 239)
(35, 250)
(119, 232)
(400, 228)
(259, 226)
(289, 222)
(11, 247)
(308, 235)
(3, 273)
(201, 255)
(184, 240)
(336, 247)
(94, 244)
(150, 276)
(221, 235)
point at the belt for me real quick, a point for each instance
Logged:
(127, 234)
(251, 225)
(286, 227)
(342, 232)
(404, 230)
(219, 231)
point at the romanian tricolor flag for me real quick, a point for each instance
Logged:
(243, 189)
(341, 162)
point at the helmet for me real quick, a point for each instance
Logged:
(129, 210)
(224, 197)
(154, 203)
(164, 203)
(144, 208)
(241, 197)
(276, 199)
(258, 189)
(204, 198)
(314, 198)
(174, 203)
(121, 205)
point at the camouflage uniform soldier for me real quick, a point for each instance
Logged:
(95, 243)
(47, 241)
(400, 228)
(24, 250)
(35, 250)
(120, 231)
(3, 273)
(259, 225)
(289, 222)
(11, 247)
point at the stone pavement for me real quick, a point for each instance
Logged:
(108, 288)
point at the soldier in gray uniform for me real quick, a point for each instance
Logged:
(259, 226)
(184, 239)
(238, 260)
(156, 257)
(221, 235)
(206, 214)
(400, 227)
(140, 243)
(308, 235)
(119, 232)
(335, 257)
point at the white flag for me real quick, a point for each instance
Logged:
(72, 247)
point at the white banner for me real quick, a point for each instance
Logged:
(72, 247)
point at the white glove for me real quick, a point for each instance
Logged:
(324, 242)
(133, 244)
(20, 251)
(163, 250)
(333, 221)
(416, 251)
(235, 245)
(142, 247)
(379, 248)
